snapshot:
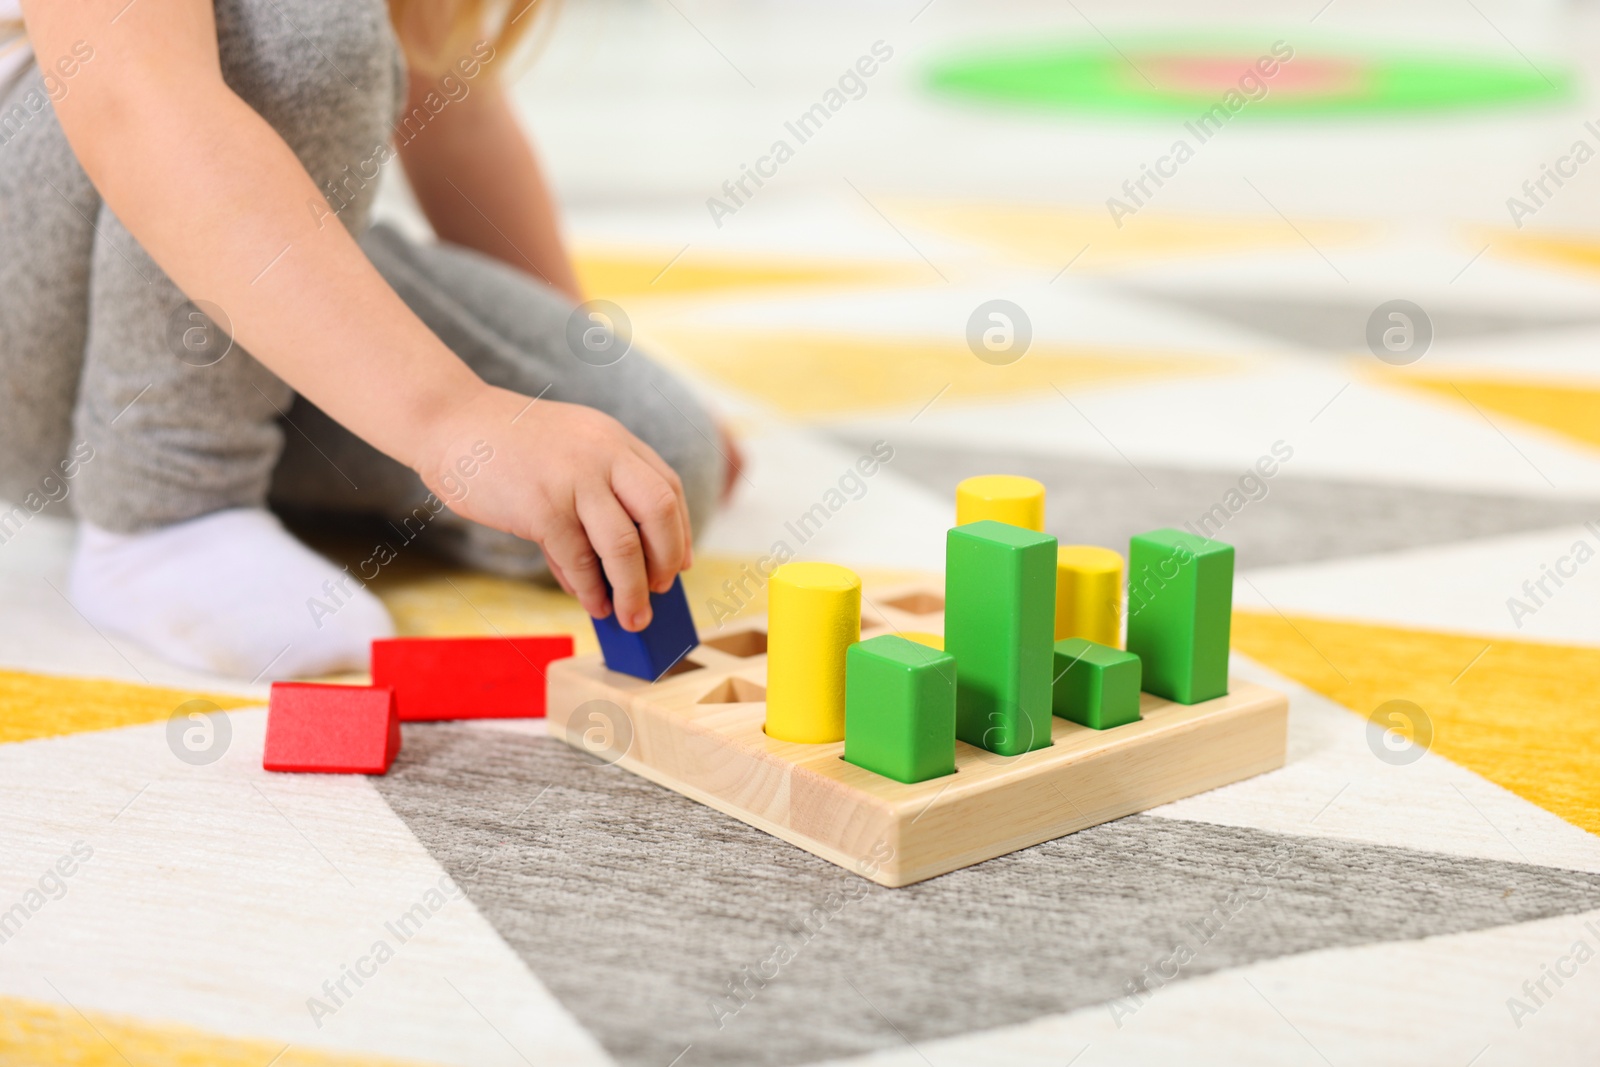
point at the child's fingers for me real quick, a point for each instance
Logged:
(658, 512)
(663, 468)
(556, 573)
(616, 539)
(572, 558)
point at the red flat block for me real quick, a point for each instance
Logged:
(333, 729)
(467, 677)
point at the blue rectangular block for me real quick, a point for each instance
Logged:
(653, 651)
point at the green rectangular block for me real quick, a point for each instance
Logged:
(900, 709)
(1180, 605)
(999, 623)
(1095, 685)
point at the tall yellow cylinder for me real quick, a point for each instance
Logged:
(1089, 594)
(813, 616)
(1002, 497)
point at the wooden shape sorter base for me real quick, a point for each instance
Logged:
(699, 732)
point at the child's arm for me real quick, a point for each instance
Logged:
(224, 206)
(478, 180)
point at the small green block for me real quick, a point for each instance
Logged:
(999, 623)
(900, 709)
(1096, 686)
(1180, 610)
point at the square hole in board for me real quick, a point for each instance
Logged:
(683, 666)
(746, 644)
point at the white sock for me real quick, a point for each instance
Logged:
(228, 593)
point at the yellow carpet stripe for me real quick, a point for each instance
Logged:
(617, 274)
(837, 374)
(44, 705)
(46, 1035)
(1571, 409)
(1563, 250)
(1521, 714)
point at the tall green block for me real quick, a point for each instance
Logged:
(900, 709)
(999, 623)
(1180, 604)
(1095, 685)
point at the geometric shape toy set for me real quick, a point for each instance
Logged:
(701, 732)
(948, 726)
(858, 739)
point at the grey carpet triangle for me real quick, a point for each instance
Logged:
(1340, 326)
(1284, 519)
(664, 926)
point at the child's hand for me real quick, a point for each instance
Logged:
(577, 482)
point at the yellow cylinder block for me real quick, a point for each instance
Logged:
(1089, 594)
(813, 616)
(1003, 498)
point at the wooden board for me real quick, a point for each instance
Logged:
(699, 732)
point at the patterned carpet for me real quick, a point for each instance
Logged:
(1421, 557)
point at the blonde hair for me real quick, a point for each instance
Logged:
(435, 33)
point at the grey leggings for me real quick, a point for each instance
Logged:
(91, 349)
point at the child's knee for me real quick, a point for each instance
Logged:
(327, 77)
(684, 434)
(287, 52)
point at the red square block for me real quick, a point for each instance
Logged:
(334, 729)
(467, 677)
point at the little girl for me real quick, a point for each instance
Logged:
(196, 320)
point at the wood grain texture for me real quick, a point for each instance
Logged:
(685, 734)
